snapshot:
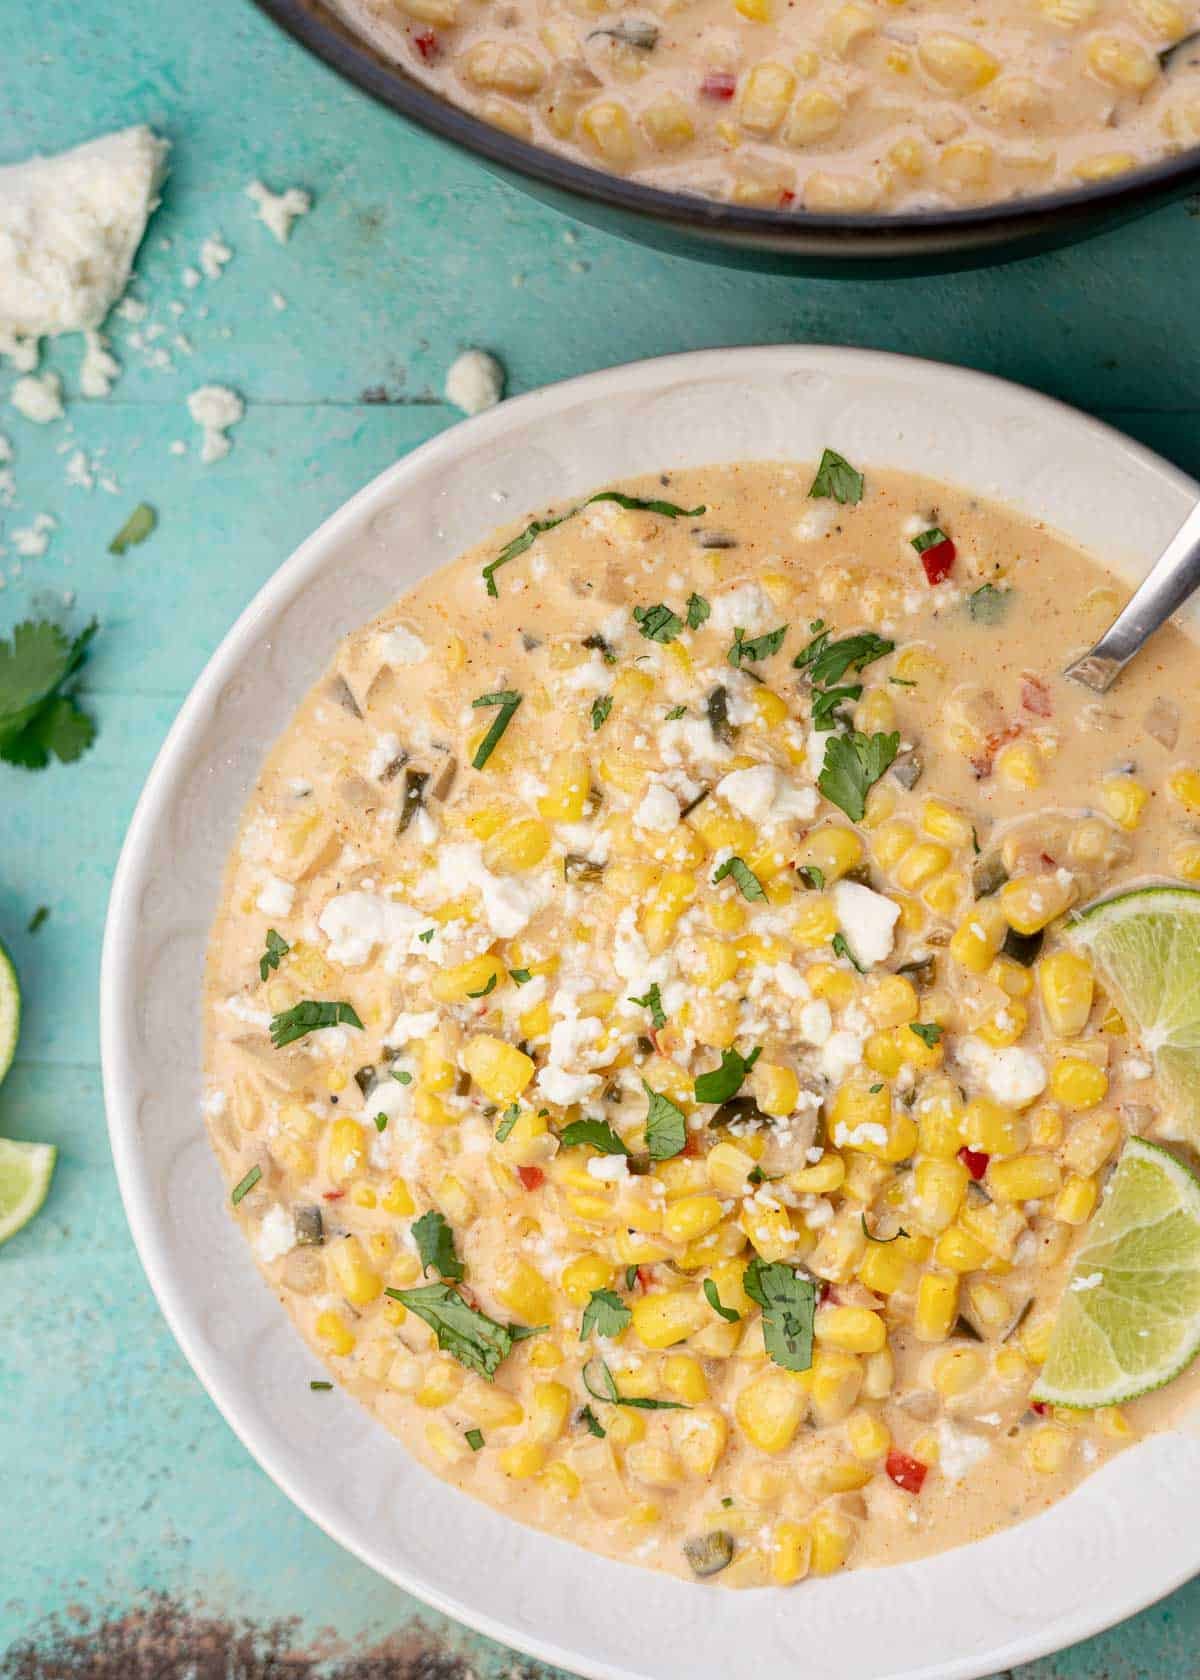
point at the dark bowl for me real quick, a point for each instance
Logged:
(859, 247)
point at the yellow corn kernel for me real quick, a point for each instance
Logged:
(728, 1168)
(770, 1409)
(770, 1230)
(398, 1199)
(699, 1439)
(1011, 1366)
(653, 1465)
(1124, 800)
(831, 849)
(523, 1290)
(979, 937)
(1019, 764)
(892, 1001)
(719, 827)
(1024, 1178)
(936, 1306)
(1031, 902)
(581, 1276)
(683, 1376)
(356, 1280)
(1045, 1126)
(815, 920)
(549, 1407)
(942, 822)
(910, 158)
(522, 1460)
(568, 785)
(522, 845)
(821, 1178)
(607, 127)
(1011, 977)
(1048, 1449)
(560, 1480)
(1090, 1142)
(431, 1110)
(958, 1251)
(1004, 1026)
(878, 1375)
(502, 65)
(441, 1382)
(867, 1434)
(884, 1268)
(957, 1369)
(920, 863)
(1066, 988)
(892, 839)
(1185, 860)
(775, 1088)
(1076, 1201)
(666, 1316)
(332, 1329)
(849, 26)
(668, 123)
(956, 63)
(830, 1535)
(1121, 63)
(992, 1129)
(856, 1104)
(1077, 1083)
(836, 985)
(668, 902)
(875, 712)
(997, 1228)
(500, 1070)
(771, 707)
(791, 1550)
(626, 1427)
(363, 1196)
(853, 1329)
(881, 804)
(347, 1149)
(718, 962)
(939, 1117)
(835, 1384)
(766, 92)
(691, 1217)
(1114, 1423)
(940, 1187)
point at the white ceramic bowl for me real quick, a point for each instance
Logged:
(1126, 1537)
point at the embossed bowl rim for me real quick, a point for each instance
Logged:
(1122, 1540)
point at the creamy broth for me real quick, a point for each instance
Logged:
(644, 885)
(865, 105)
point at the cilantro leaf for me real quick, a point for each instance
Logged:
(486, 990)
(507, 1121)
(758, 647)
(747, 881)
(247, 1184)
(698, 611)
(605, 1314)
(600, 710)
(853, 764)
(37, 720)
(988, 605)
(535, 528)
(598, 1133)
(474, 1439)
(653, 1002)
(520, 976)
(308, 1017)
(473, 1338)
(276, 948)
(788, 1301)
(827, 662)
(719, 1084)
(612, 1396)
(827, 704)
(842, 949)
(837, 478)
(658, 623)
(136, 529)
(712, 1296)
(871, 1237)
(592, 1424)
(435, 1245)
(676, 712)
(929, 1032)
(508, 700)
(666, 1127)
(814, 877)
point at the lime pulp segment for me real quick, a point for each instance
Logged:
(25, 1173)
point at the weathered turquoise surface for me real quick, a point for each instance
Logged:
(118, 1480)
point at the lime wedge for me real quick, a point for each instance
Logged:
(1129, 1319)
(25, 1173)
(1146, 945)
(10, 1011)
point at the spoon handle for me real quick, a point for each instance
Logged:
(1172, 578)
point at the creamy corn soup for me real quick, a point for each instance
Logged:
(643, 1049)
(859, 106)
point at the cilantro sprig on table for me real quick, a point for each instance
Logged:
(38, 718)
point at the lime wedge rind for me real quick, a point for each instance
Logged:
(25, 1173)
(1146, 945)
(1124, 1326)
(10, 1012)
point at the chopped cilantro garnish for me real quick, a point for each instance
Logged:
(473, 1338)
(813, 877)
(631, 1273)
(698, 610)
(597, 1133)
(712, 1296)
(788, 1301)
(320, 1387)
(929, 539)
(747, 881)
(605, 1314)
(611, 1395)
(929, 1032)
(427, 935)
(837, 478)
(758, 647)
(721, 1083)
(36, 717)
(474, 1439)
(658, 623)
(853, 764)
(381, 1122)
(435, 1245)
(988, 605)
(136, 529)
(488, 989)
(508, 700)
(871, 1237)
(521, 976)
(308, 1017)
(827, 704)
(653, 1002)
(276, 948)
(38, 919)
(676, 712)
(536, 527)
(601, 707)
(401, 1076)
(666, 1127)
(592, 1424)
(827, 662)
(507, 1121)
(247, 1184)
(842, 948)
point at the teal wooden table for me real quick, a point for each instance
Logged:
(136, 1536)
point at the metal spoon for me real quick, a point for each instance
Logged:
(1173, 577)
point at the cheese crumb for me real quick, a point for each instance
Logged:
(215, 408)
(475, 382)
(38, 397)
(867, 919)
(278, 211)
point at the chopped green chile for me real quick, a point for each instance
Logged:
(1024, 948)
(415, 782)
(309, 1224)
(709, 1553)
(579, 869)
(366, 1079)
(988, 875)
(717, 707)
(631, 34)
(907, 769)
